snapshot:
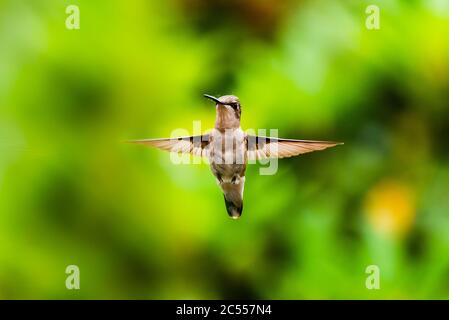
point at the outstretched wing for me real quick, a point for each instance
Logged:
(260, 147)
(195, 145)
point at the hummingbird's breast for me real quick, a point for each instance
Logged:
(227, 155)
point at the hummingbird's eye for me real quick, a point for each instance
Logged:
(234, 105)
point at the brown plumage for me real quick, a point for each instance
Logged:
(229, 149)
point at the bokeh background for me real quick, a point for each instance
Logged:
(139, 227)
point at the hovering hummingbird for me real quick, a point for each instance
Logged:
(228, 149)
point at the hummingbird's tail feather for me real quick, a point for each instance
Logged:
(233, 196)
(234, 210)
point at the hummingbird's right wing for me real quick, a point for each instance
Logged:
(260, 147)
(195, 145)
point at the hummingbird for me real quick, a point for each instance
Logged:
(228, 149)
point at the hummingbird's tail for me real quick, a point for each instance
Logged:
(234, 210)
(233, 196)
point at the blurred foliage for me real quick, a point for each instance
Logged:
(139, 227)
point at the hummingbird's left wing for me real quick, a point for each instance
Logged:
(260, 147)
(195, 145)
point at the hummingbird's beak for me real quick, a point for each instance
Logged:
(212, 98)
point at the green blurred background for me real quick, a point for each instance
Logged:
(140, 227)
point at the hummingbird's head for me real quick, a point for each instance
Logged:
(228, 111)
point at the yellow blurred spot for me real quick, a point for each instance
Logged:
(390, 208)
